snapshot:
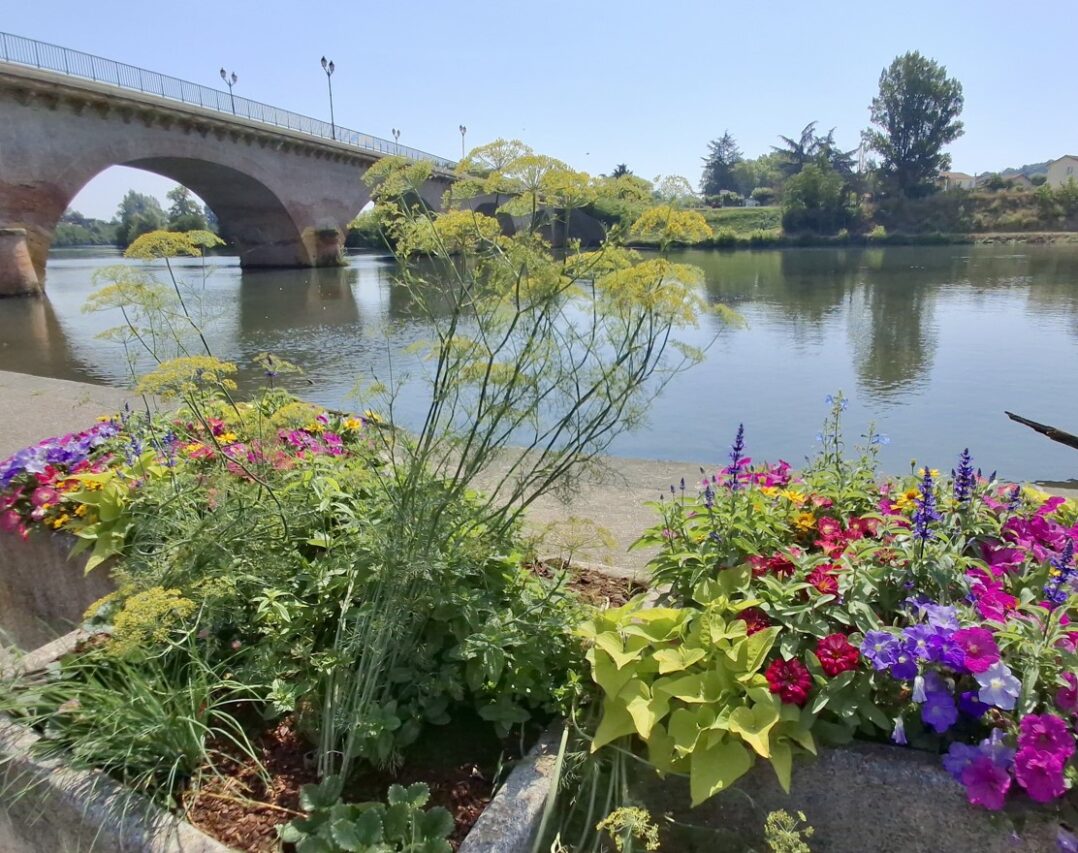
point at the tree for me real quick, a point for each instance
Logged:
(674, 190)
(794, 154)
(816, 200)
(184, 214)
(621, 171)
(138, 214)
(723, 155)
(917, 113)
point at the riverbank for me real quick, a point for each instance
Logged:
(775, 240)
(612, 499)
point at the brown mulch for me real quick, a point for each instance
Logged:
(240, 810)
(594, 587)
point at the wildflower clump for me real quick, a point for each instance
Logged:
(149, 617)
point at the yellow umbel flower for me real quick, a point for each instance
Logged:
(149, 616)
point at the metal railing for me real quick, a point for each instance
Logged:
(74, 63)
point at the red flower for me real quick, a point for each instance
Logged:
(790, 679)
(836, 654)
(779, 564)
(829, 527)
(825, 578)
(754, 618)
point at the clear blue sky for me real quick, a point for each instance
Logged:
(596, 83)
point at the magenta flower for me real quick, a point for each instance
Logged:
(1067, 695)
(978, 647)
(1046, 733)
(1040, 773)
(986, 783)
(44, 495)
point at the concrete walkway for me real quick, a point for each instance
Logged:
(34, 407)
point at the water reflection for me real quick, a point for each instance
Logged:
(932, 343)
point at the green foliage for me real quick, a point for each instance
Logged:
(764, 195)
(916, 111)
(151, 719)
(784, 834)
(688, 682)
(400, 825)
(811, 148)
(816, 200)
(74, 229)
(185, 213)
(722, 157)
(138, 214)
(629, 825)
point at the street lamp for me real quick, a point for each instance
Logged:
(230, 81)
(396, 138)
(463, 130)
(329, 67)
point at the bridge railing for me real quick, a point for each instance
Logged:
(74, 63)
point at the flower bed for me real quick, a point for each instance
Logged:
(813, 610)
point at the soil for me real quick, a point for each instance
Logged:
(239, 809)
(595, 588)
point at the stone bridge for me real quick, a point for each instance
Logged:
(284, 187)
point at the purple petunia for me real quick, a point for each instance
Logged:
(879, 648)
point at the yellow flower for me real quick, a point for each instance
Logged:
(794, 496)
(770, 491)
(314, 427)
(352, 424)
(80, 510)
(905, 500)
(227, 437)
(805, 521)
(933, 471)
(372, 416)
(59, 522)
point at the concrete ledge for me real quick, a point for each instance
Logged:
(43, 592)
(46, 806)
(865, 797)
(510, 823)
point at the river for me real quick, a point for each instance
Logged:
(931, 344)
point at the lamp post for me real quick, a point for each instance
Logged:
(396, 136)
(329, 68)
(463, 130)
(230, 81)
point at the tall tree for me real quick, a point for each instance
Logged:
(794, 154)
(723, 154)
(138, 214)
(621, 171)
(184, 214)
(917, 113)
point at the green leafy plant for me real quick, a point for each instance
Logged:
(400, 825)
(689, 683)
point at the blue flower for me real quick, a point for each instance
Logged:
(880, 649)
(899, 733)
(939, 710)
(963, 477)
(926, 512)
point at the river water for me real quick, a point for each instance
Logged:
(931, 344)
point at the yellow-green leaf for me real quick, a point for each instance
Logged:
(616, 722)
(645, 709)
(676, 660)
(716, 768)
(782, 761)
(612, 644)
(754, 726)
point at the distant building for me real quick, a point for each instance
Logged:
(956, 181)
(1062, 170)
(1019, 181)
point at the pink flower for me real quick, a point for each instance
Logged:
(979, 647)
(10, 521)
(1046, 733)
(1067, 696)
(1040, 773)
(44, 495)
(986, 783)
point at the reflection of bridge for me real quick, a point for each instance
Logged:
(284, 186)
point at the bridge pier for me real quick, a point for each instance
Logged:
(17, 274)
